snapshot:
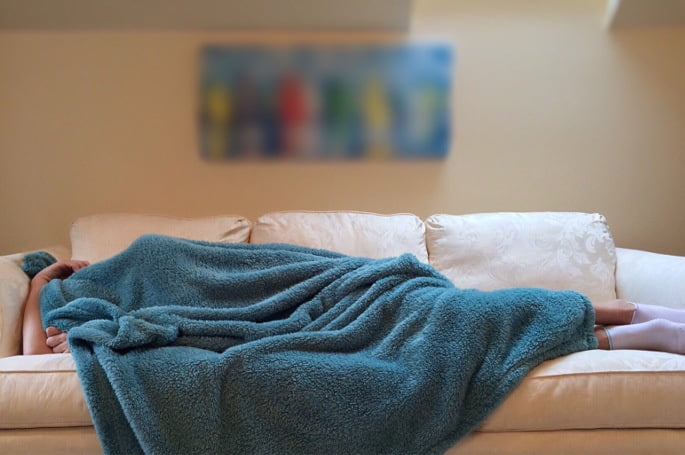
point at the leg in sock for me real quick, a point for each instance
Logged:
(614, 312)
(645, 313)
(654, 335)
(619, 312)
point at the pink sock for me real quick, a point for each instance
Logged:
(655, 335)
(644, 313)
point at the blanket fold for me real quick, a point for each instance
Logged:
(195, 347)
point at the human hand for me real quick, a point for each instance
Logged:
(57, 340)
(60, 270)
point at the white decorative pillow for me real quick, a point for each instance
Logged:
(643, 276)
(552, 250)
(354, 233)
(98, 237)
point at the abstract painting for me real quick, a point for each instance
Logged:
(332, 102)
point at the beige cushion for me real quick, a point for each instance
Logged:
(84, 441)
(354, 233)
(552, 250)
(597, 389)
(587, 390)
(638, 441)
(41, 391)
(14, 285)
(50, 441)
(97, 237)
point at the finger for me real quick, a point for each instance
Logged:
(52, 331)
(78, 265)
(56, 340)
(61, 348)
(58, 270)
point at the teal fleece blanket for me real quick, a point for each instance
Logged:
(188, 347)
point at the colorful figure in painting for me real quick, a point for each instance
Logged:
(216, 115)
(248, 133)
(292, 110)
(340, 121)
(377, 115)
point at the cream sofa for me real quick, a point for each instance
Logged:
(623, 402)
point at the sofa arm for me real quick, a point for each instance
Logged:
(14, 285)
(653, 278)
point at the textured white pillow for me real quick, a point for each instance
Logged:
(98, 237)
(354, 233)
(552, 250)
(646, 277)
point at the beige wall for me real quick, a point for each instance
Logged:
(552, 112)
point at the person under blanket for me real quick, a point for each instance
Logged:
(620, 324)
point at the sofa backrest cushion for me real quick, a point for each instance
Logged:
(552, 250)
(354, 233)
(98, 237)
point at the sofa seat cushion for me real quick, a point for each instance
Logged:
(586, 390)
(551, 250)
(354, 233)
(98, 237)
(38, 391)
(597, 389)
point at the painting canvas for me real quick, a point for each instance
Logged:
(334, 102)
